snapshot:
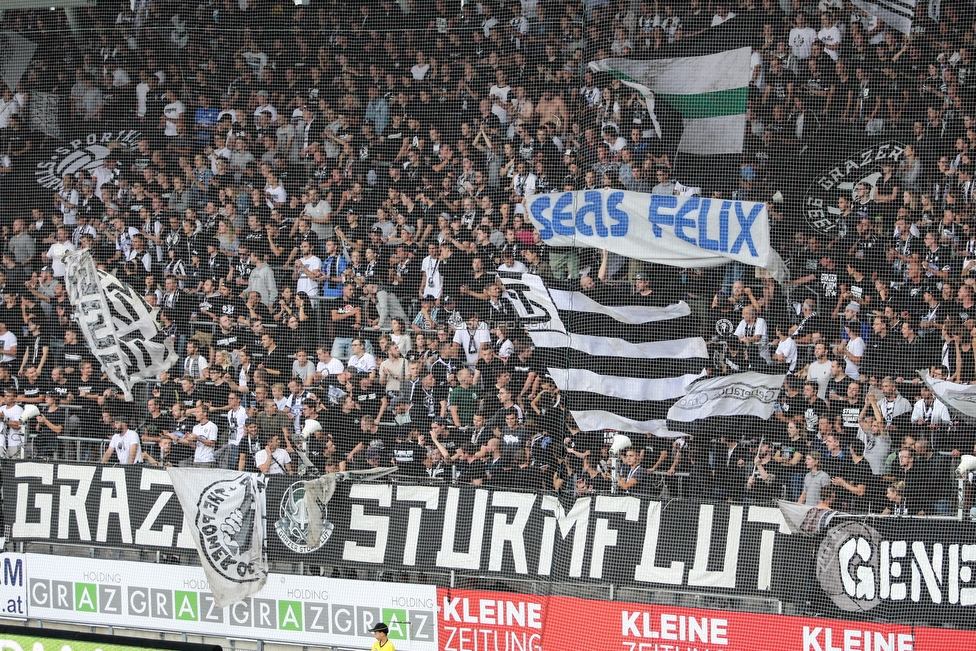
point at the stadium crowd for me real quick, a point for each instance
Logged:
(318, 199)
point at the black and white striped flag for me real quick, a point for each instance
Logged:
(897, 13)
(618, 366)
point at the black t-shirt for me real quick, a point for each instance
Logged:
(468, 472)
(215, 394)
(409, 457)
(232, 306)
(227, 340)
(346, 433)
(154, 427)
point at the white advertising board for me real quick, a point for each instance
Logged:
(293, 609)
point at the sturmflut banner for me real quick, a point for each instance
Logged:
(677, 231)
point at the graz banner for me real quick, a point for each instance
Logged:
(680, 231)
(901, 568)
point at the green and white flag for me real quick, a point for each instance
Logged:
(708, 91)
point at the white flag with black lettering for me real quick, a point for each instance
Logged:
(740, 394)
(119, 327)
(226, 514)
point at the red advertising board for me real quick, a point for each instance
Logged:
(499, 621)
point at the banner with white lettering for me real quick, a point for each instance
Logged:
(226, 513)
(470, 620)
(686, 231)
(901, 567)
(119, 327)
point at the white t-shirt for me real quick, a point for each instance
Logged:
(435, 284)
(759, 328)
(854, 347)
(236, 420)
(787, 348)
(9, 414)
(830, 36)
(718, 20)
(419, 71)
(501, 92)
(801, 41)
(205, 453)
(277, 467)
(365, 363)
(172, 113)
(54, 255)
(277, 192)
(123, 444)
(306, 284)
(819, 372)
(9, 341)
(332, 368)
(470, 343)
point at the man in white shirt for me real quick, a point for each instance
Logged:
(432, 284)
(308, 271)
(125, 444)
(59, 248)
(753, 334)
(892, 406)
(852, 350)
(819, 369)
(361, 359)
(232, 458)
(498, 94)
(172, 119)
(722, 14)
(8, 345)
(12, 439)
(272, 459)
(830, 35)
(205, 436)
(327, 364)
(469, 340)
(802, 37)
(786, 349)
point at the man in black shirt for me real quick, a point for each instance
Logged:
(409, 454)
(856, 484)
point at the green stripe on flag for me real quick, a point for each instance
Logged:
(709, 105)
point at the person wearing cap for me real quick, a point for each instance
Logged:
(381, 632)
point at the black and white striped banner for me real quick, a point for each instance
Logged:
(897, 13)
(618, 366)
